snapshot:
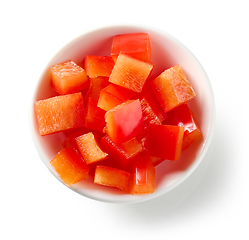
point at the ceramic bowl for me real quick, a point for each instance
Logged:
(166, 52)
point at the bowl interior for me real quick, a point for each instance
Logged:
(166, 52)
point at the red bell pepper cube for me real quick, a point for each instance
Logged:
(124, 121)
(60, 113)
(136, 45)
(145, 152)
(183, 116)
(70, 166)
(122, 154)
(96, 66)
(95, 87)
(172, 88)
(148, 114)
(89, 148)
(95, 116)
(142, 176)
(165, 141)
(149, 117)
(112, 177)
(130, 73)
(68, 77)
(113, 95)
(149, 96)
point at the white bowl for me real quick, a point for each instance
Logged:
(166, 52)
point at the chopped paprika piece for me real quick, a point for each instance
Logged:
(124, 121)
(95, 116)
(130, 73)
(155, 160)
(96, 66)
(149, 96)
(96, 85)
(183, 116)
(122, 154)
(112, 177)
(142, 176)
(165, 141)
(149, 117)
(68, 77)
(60, 113)
(172, 88)
(90, 149)
(70, 166)
(136, 45)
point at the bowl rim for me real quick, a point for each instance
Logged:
(211, 125)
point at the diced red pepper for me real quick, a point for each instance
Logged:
(155, 160)
(122, 154)
(89, 148)
(112, 177)
(132, 122)
(172, 88)
(124, 121)
(130, 73)
(149, 96)
(183, 116)
(95, 116)
(165, 141)
(60, 113)
(149, 117)
(68, 77)
(142, 176)
(70, 166)
(96, 85)
(148, 114)
(113, 95)
(136, 45)
(96, 66)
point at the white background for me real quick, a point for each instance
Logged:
(34, 205)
